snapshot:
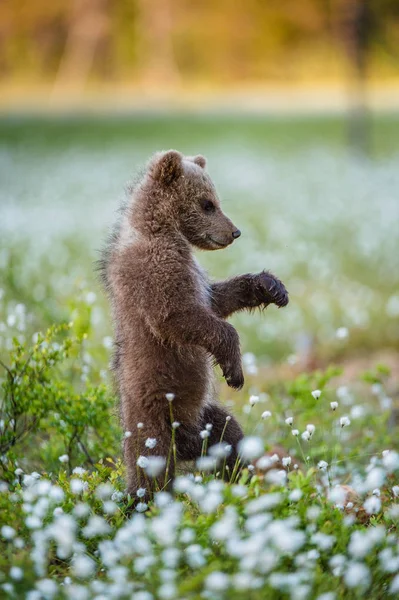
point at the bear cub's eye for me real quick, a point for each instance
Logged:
(208, 206)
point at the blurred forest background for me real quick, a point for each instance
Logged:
(75, 44)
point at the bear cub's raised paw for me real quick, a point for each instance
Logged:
(271, 290)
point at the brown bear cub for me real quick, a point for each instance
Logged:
(170, 319)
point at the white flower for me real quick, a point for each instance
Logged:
(228, 418)
(395, 491)
(78, 486)
(140, 492)
(83, 566)
(310, 428)
(377, 492)
(253, 400)
(391, 461)
(47, 588)
(140, 425)
(96, 526)
(372, 505)
(79, 471)
(206, 463)
(342, 333)
(344, 421)
(16, 573)
(104, 491)
(295, 432)
(142, 462)
(266, 414)
(316, 394)
(334, 405)
(170, 397)
(141, 507)
(322, 465)
(64, 458)
(220, 450)
(151, 443)
(251, 447)
(289, 421)
(286, 461)
(209, 426)
(90, 297)
(217, 581)
(305, 436)
(175, 424)
(204, 434)
(295, 495)
(394, 588)
(127, 434)
(357, 575)
(7, 532)
(155, 465)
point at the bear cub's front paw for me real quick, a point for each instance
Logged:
(233, 375)
(271, 290)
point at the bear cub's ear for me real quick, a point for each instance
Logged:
(166, 167)
(199, 160)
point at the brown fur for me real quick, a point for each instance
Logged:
(169, 319)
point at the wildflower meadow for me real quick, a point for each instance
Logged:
(315, 515)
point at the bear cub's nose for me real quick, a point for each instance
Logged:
(236, 234)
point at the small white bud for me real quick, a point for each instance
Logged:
(305, 436)
(311, 429)
(253, 400)
(175, 424)
(334, 405)
(127, 434)
(316, 394)
(295, 432)
(151, 443)
(289, 421)
(286, 460)
(266, 414)
(344, 421)
(170, 397)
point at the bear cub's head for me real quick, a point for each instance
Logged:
(191, 199)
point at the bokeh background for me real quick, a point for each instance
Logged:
(296, 106)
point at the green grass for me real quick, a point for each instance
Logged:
(324, 219)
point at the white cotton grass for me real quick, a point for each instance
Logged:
(251, 447)
(289, 421)
(334, 405)
(150, 443)
(310, 428)
(266, 414)
(342, 333)
(344, 421)
(316, 394)
(253, 400)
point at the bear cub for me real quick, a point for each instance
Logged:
(169, 319)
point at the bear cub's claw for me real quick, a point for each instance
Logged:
(234, 377)
(272, 289)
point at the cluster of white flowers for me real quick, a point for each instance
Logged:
(249, 530)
